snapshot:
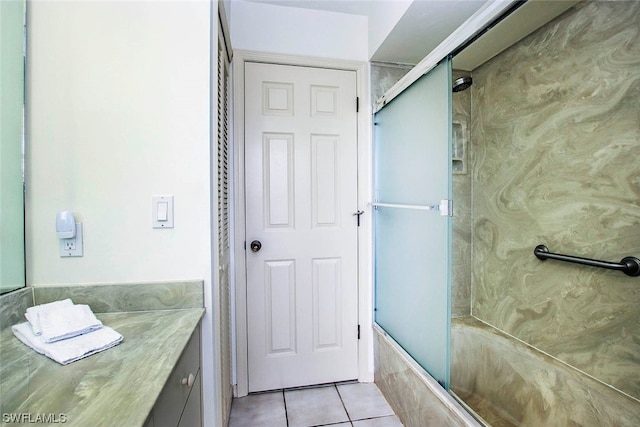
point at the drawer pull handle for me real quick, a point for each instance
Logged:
(189, 381)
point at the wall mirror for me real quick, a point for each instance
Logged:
(12, 63)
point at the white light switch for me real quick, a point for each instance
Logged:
(162, 211)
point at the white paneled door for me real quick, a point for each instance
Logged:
(301, 231)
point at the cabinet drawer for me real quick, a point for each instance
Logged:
(170, 403)
(192, 414)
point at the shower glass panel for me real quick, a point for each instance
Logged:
(412, 151)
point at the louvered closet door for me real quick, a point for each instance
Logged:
(224, 226)
(301, 196)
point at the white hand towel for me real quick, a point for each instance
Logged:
(65, 322)
(71, 349)
(32, 312)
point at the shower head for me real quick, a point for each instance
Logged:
(462, 83)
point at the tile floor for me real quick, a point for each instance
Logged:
(343, 404)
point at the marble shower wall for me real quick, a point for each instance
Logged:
(556, 160)
(461, 242)
(384, 76)
(510, 385)
(13, 305)
(415, 397)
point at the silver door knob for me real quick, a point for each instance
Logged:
(256, 245)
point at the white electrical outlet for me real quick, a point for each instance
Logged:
(72, 247)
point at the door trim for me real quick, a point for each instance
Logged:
(365, 233)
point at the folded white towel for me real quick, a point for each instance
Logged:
(32, 313)
(71, 349)
(66, 322)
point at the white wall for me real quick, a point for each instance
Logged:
(118, 98)
(295, 31)
(118, 111)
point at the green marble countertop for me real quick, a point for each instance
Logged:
(117, 387)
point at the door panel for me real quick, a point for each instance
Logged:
(325, 178)
(280, 305)
(278, 180)
(301, 194)
(327, 321)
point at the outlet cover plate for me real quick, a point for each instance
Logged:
(72, 247)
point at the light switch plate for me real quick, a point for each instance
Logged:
(166, 211)
(72, 247)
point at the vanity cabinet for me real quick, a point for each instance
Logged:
(137, 383)
(179, 403)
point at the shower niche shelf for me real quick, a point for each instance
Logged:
(459, 147)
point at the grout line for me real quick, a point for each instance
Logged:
(343, 405)
(375, 418)
(286, 414)
(332, 424)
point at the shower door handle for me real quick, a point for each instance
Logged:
(445, 207)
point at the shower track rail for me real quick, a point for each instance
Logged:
(628, 265)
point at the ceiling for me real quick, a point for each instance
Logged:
(415, 27)
(352, 7)
(423, 25)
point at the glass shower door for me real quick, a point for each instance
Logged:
(412, 220)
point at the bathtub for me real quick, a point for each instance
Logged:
(508, 383)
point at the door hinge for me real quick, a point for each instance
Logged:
(359, 214)
(357, 104)
(358, 331)
(245, 245)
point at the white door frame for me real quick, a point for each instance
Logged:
(365, 232)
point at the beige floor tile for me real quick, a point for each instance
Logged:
(314, 406)
(364, 400)
(258, 410)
